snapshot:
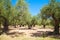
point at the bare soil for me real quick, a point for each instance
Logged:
(36, 32)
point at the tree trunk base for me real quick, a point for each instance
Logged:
(56, 30)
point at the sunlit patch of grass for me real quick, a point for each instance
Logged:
(49, 38)
(5, 37)
(24, 37)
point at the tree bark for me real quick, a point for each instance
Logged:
(44, 25)
(5, 29)
(29, 26)
(56, 25)
(56, 28)
(33, 25)
(20, 25)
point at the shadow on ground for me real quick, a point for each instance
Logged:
(45, 34)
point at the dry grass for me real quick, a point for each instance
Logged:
(25, 34)
(23, 37)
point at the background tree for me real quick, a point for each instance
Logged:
(34, 21)
(21, 13)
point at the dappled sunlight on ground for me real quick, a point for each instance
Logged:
(29, 32)
(23, 33)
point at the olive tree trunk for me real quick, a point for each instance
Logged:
(5, 29)
(56, 27)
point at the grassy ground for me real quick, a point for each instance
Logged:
(23, 37)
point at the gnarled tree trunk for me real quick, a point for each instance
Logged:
(5, 24)
(5, 29)
(56, 27)
(56, 24)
